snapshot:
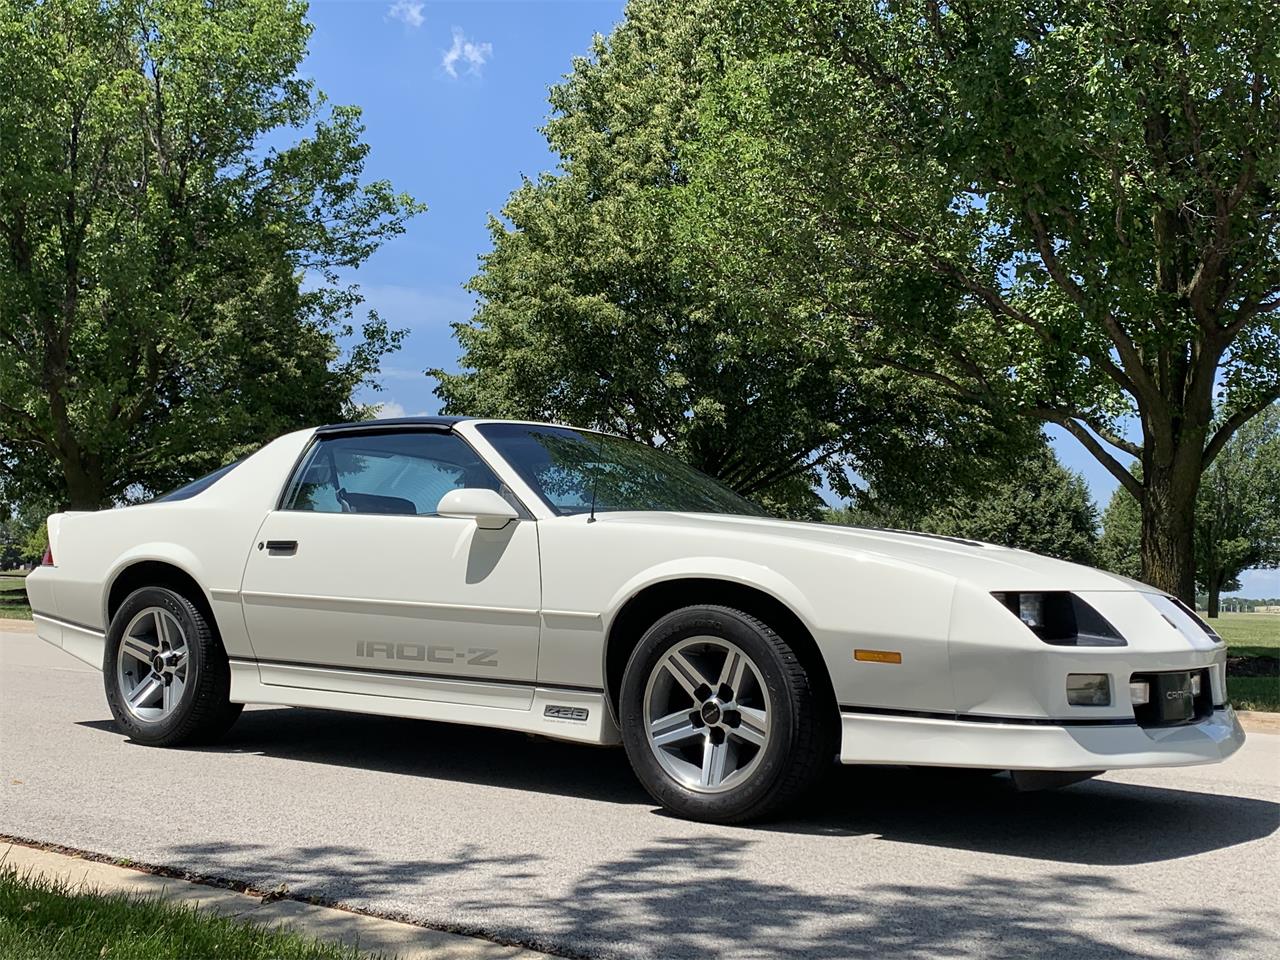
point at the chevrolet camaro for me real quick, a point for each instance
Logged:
(577, 585)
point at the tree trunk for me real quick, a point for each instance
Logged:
(1168, 530)
(1215, 592)
(85, 487)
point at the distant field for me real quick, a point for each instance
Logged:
(1249, 629)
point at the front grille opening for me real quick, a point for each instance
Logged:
(1171, 701)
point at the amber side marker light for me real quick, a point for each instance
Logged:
(878, 656)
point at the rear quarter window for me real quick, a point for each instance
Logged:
(198, 485)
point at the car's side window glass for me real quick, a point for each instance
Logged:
(387, 473)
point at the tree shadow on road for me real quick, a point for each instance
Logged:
(1097, 822)
(1094, 823)
(694, 897)
(687, 897)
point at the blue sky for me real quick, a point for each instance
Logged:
(453, 96)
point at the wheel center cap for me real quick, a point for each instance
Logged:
(157, 663)
(711, 712)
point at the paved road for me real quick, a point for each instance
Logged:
(555, 846)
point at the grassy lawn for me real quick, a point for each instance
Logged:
(13, 598)
(44, 920)
(1254, 693)
(1249, 630)
(1252, 635)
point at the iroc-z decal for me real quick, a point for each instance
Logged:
(424, 653)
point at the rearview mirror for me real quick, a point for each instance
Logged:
(486, 507)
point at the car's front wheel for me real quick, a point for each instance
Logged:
(720, 718)
(166, 674)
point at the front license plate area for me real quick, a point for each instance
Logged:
(1172, 693)
(1172, 700)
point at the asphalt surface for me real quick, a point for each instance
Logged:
(556, 846)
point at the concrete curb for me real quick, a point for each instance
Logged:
(374, 934)
(17, 626)
(1258, 721)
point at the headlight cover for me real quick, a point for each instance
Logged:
(1203, 624)
(1061, 618)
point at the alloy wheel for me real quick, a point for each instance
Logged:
(706, 712)
(152, 664)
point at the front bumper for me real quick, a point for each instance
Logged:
(952, 742)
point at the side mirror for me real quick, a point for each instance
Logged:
(486, 507)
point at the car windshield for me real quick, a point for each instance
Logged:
(569, 468)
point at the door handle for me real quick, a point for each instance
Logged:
(282, 546)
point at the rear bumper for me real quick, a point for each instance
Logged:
(82, 641)
(932, 741)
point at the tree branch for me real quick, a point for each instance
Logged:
(1114, 466)
(1234, 423)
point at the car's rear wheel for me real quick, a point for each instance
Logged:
(720, 717)
(165, 672)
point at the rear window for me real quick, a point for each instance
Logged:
(197, 486)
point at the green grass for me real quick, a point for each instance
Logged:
(1254, 693)
(42, 919)
(13, 598)
(1249, 630)
(1251, 635)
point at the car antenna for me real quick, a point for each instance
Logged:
(595, 481)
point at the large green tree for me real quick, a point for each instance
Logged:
(1064, 210)
(1040, 506)
(591, 310)
(1237, 513)
(176, 203)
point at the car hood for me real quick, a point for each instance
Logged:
(985, 565)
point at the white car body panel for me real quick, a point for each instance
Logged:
(430, 590)
(434, 617)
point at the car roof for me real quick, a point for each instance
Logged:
(390, 422)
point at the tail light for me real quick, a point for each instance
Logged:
(47, 560)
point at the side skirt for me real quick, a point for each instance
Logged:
(565, 714)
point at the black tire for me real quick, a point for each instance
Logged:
(203, 712)
(801, 739)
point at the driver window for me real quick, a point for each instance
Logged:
(386, 473)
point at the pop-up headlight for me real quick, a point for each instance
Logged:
(1061, 618)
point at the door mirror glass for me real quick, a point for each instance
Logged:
(486, 507)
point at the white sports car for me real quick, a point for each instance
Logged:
(577, 585)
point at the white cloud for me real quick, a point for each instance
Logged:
(418, 307)
(407, 12)
(390, 410)
(473, 55)
(400, 373)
